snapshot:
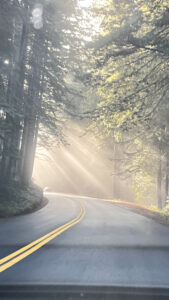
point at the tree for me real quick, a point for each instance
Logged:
(132, 58)
(33, 85)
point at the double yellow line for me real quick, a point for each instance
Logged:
(10, 260)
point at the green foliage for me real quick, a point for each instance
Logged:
(113, 77)
(35, 97)
(131, 57)
(15, 199)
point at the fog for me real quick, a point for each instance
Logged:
(83, 167)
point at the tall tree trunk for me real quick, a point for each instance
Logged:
(10, 155)
(31, 121)
(28, 148)
(115, 171)
(159, 181)
(166, 181)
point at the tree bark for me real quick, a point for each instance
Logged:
(31, 121)
(159, 181)
(166, 181)
(10, 154)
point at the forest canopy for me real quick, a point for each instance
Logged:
(130, 76)
(105, 61)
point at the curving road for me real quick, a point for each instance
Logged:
(110, 246)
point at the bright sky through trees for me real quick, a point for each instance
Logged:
(85, 3)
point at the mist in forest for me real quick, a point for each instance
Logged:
(82, 167)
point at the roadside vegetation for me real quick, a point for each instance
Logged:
(17, 199)
(159, 215)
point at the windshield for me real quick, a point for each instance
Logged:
(84, 149)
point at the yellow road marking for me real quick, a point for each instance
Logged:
(34, 246)
(6, 258)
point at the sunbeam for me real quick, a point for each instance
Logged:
(82, 168)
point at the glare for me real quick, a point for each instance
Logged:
(38, 24)
(37, 16)
(85, 3)
(6, 62)
(89, 21)
(78, 168)
(37, 12)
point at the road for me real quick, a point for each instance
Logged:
(109, 246)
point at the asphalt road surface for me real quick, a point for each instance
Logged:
(109, 246)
